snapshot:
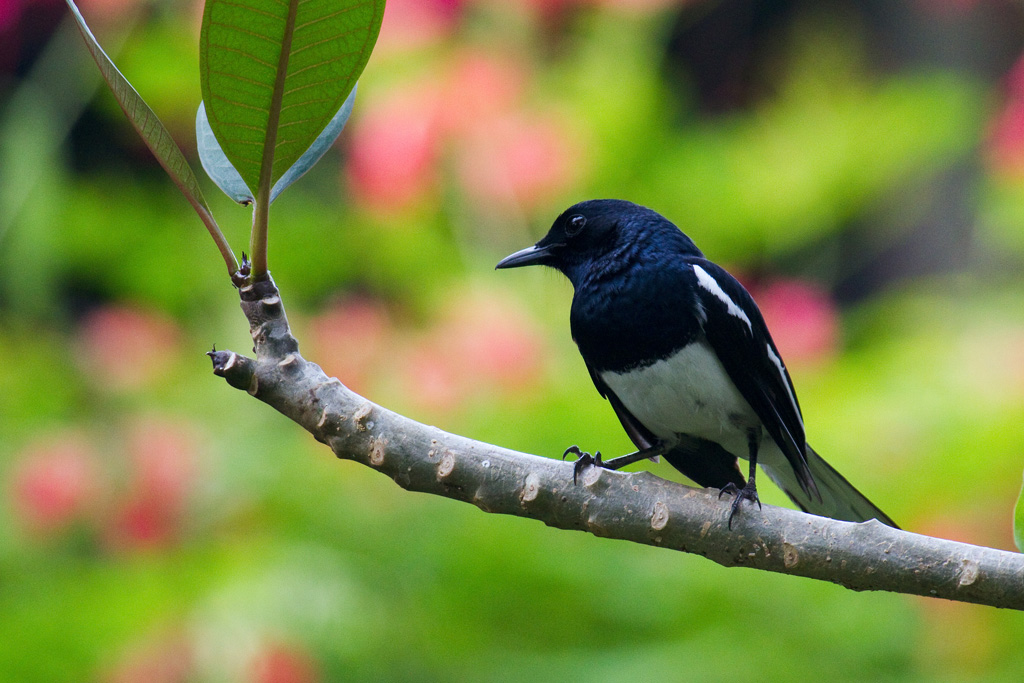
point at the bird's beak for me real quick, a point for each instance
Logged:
(527, 257)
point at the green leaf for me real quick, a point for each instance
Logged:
(155, 135)
(275, 72)
(152, 130)
(226, 177)
(319, 147)
(1018, 522)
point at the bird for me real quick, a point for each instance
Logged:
(682, 353)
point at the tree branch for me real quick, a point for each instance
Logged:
(637, 507)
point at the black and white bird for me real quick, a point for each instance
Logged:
(680, 350)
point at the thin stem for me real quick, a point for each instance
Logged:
(261, 215)
(258, 237)
(218, 237)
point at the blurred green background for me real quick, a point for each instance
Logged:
(859, 165)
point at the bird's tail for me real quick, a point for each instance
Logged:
(839, 499)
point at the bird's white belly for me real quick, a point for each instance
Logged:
(687, 393)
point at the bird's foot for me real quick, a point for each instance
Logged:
(748, 492)
(583, 460)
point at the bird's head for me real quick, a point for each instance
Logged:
(596, 230)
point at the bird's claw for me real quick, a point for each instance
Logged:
(575, 450)
(748, 492)
(583, 459)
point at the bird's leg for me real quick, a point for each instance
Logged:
(748, 492)
(584, 459)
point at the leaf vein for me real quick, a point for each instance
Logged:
(313, 66)
(333, 14)
(245, 54)
(232, 27)
(228, 100)
(239, 77)
(308, 85)
(305, 102)
(249, 8)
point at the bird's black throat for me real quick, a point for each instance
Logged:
(645, 316)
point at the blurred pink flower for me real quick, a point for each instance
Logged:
(139, 523)
(484, 343)
(163, 456)
(55, 483)
(10, 12)
(1006, 134)
(481, 87)
(279, 663)
(644, 6)
(394, 149)
(494, 342)
(126, 348)
(802, 319)
(1006, 149)
(166, 660)
(520, 159)
(414, 24)
(351, 339)
(428, 378)
(552, 12)
(1015, 80)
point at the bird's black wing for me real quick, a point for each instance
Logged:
(739, 337)
(638, 434)
(705, 462)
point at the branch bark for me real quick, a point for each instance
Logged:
(638, 507)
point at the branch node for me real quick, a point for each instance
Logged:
(328, 418)
(259, 333)
(239, 371)
(447, 464)
(969, 574)
(659, 519)
(790, 556)
(361, 417)
(377, 447)
(530, 488)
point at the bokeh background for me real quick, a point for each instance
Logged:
(859, 165)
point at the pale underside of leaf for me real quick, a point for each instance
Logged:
(220, 170)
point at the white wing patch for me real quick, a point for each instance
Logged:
(689, 392)
(782, 378)
(711, 285)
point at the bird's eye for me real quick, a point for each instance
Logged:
(576, 224)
